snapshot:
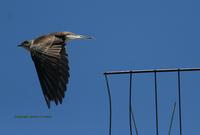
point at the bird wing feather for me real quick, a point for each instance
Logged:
(51, 63)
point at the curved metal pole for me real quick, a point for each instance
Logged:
(134, 121)
(110, 106)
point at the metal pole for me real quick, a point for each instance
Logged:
(156, 102)
(179, 99)
(172, 118)
(110, 106)
(151, 70)
(134, 121)
(130, 103)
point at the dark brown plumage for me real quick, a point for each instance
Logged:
(50, 58)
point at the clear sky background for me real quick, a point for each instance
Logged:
(130, 34)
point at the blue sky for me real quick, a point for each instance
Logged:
(129, 34)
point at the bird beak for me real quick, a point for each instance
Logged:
(71, 37)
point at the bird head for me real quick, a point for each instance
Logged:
(71, 36)
(26, 44)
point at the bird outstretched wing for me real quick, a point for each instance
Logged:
(51, 63)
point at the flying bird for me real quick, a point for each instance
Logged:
(49, 55)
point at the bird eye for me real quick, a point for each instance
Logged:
(25, 42)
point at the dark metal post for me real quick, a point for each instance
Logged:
(110, 106)
(179, 99)
(131, 113)
(134, 121)
(130, 103)
(156, 102)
